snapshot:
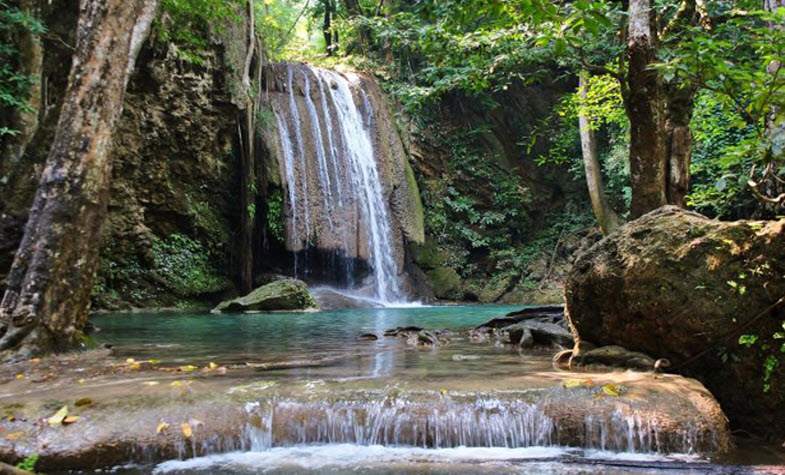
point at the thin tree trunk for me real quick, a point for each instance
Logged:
(606, 217)
(679, 106)
(327, 27)
(643, 101)
(47, 299)
(246, 130)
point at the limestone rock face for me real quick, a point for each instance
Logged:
(285, 294)
(677, 285)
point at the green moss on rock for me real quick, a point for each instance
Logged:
(446, 283)
(285, 294)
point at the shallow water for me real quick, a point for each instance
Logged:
(319, 379)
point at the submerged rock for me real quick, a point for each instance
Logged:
(677, 285)
(286, 294)
(616, 356)
(525, 328)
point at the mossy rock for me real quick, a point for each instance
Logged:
(286, 294)
(446, 283)
(428, 256)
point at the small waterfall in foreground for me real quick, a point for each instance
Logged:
(336, 198)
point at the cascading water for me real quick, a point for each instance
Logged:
(336, 195)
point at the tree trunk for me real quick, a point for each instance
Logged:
(246, 132)
(47, 299)
(606, 217)
(31, 56)
(327, 30)
(679, 105)
(643, 101)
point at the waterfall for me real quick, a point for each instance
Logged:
(336, 198)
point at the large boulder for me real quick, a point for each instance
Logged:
(674, 284)
(285, 294)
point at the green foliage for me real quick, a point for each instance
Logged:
(28, 463)
(14, 85)
(720, 162)
(276, 224)
(478, 205)
(190, 23)
(184, 265)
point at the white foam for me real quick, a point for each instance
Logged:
(350, 456)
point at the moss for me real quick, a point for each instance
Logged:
(417, 232)
(285, 294)
(446, 283)
(183, 265)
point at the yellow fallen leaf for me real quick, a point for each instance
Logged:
(153, 361)
(130, 361)
(20, 376)
(135, 366)
(162, 426)
(14, 435)
(70, 420)
(188, 368)
(611, 390)
(212, 365)
(572, 383)
(176, 384)
(58, 417)
(81, 381)
(84, 401)
(186, 429)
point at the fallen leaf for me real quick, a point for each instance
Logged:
(70, 420)
(35, 360)
(135, 366)
(58, 417)
(212, 365)
(188, 368)
(14, 435)
(572, 383)
(130, 361)
(611, 390)
(186, 429)
(20, 376)
(84, 401)
(162, 426)
(81, 381)
(153, 361)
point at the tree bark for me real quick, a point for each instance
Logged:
(606, 217)
(644, 104)
(47, 299)
(327, 27)
(679, 106)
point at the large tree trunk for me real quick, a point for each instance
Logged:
(48, 294)
(643, 101)
(606, 217)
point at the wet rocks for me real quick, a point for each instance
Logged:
(285, 294)
(528, 327)
(615, 356)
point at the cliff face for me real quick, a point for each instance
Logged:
(500, 227)
(169, 233)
